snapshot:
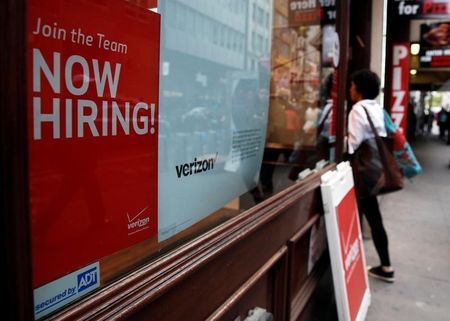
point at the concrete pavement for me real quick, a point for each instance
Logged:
(417, 220)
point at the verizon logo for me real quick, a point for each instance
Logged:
(137, 223)
(196, 166)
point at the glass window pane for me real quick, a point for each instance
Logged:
(236, 105)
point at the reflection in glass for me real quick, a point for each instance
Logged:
(305, 53)
(214, 93)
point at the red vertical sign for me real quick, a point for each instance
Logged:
(400, 84)
(93, 74)
(351, 252)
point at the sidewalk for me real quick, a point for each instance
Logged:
(417, 220)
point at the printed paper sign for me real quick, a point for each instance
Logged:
(93, 75)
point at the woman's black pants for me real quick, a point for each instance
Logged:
(369, 207)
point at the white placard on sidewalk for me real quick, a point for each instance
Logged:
(345, 244)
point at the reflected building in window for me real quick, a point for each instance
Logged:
(207, 49)
(233, 33)
(214, 82)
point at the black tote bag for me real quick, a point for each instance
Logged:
(375, 170)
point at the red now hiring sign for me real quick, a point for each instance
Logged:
(93, 82)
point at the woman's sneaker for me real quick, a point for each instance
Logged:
(378, 273)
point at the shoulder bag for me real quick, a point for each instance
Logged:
(375, 169)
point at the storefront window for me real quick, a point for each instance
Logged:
(303, 91)
(141, 138)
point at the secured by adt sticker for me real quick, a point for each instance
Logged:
(58, 293)
(87, 279)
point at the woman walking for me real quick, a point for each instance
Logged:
(365, 87)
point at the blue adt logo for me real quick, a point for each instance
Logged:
(87, 279)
